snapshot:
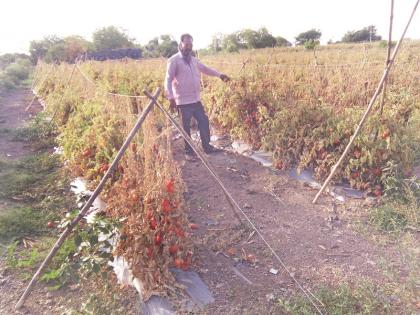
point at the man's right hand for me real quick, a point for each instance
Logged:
(172, 105)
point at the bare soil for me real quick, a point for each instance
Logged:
(317, 243)
(13, 116)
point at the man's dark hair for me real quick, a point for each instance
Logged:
(186, 35)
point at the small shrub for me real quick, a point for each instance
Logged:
(384, 44)
(15, 74)
(6, 83)
(311, 44)
(39, 132)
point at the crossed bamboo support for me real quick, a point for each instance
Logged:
(92, 198)
(232, 202)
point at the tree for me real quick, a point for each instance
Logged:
(151, 49)
(255, 39)
(111, 38)
(364, 35)
(167, 46)
(265, 39)
(163, 46)
(282, 42)
(9, 58)
(39, 48)
(231, 43)
(312, 34)
(68, 49)
(247, 39)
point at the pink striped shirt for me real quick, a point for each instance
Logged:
(182, 81)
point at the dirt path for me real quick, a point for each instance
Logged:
(315, 242)
(13, 116)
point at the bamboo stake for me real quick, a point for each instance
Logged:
(244, 62)
(387, 58)
(365, 115)
(35, 76)
(92, 198)
(62, 95)
(206, 163)
(35, 96)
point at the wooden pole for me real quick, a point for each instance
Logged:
(365, 115)
(35, 76)
(35, 96)
(92, 198)
(62, 95)
(388, 55)
(187, 138)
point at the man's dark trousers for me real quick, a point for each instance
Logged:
(195, 110)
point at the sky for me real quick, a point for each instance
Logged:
(22, 20)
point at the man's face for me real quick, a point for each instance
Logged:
(186, 45)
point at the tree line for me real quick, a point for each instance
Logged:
(57, 49)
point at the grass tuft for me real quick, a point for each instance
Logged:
(19, 222)
(363, 299)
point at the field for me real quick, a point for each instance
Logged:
(300, 105)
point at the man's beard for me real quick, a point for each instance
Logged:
(186, 55)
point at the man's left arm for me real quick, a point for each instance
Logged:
(211, 72)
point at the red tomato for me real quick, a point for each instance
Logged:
(169, 186)
(133, 196)
(153, 223)
(87, 153)
(104, 167)
(279, 165)
(357, 153)
(166, 205)
(355, 175)
(158, 239)
(386, 134)
(173, 249)
(178, 262)
(180, 232)
(377, 171)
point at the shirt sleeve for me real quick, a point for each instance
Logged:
(206, 70)
(170, 75)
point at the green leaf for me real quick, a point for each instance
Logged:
(95, 267)
(93, 240)
(78, 240)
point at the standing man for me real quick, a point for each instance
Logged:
(182, 87)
